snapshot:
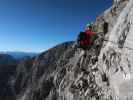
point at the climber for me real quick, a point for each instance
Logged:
(86, 39)
(91, 35)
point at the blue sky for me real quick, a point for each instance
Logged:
(37, 25)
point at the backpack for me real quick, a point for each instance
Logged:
(81, 36)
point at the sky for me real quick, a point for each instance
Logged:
(37, 25)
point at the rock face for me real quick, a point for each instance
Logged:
(34, 78)
(115, 58)
(68, 73)
(7, 69)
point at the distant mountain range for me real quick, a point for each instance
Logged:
(19, 55)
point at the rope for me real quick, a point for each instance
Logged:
(117, 44)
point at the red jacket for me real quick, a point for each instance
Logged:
(89, 32)
(87, 41)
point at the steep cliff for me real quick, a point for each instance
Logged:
(68, 73)
(34, 78)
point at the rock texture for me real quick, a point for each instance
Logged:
(34, 78)
(68, 73)
(115, 58)
(7, 70)
(104, 73)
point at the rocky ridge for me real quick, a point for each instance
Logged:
(68, 73)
